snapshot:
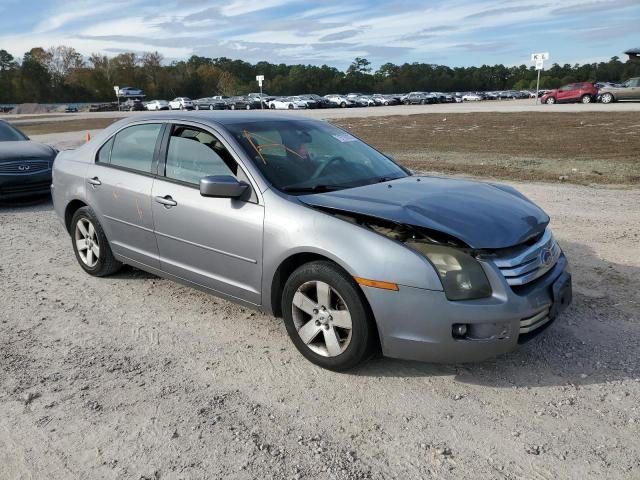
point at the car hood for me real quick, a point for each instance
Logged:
(23, 150)
(482, 215)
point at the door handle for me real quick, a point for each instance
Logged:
(95, 181)
(167, 201)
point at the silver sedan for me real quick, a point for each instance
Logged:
(302, 220)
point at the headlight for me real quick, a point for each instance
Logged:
(462, 276)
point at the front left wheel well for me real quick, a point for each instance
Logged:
(71, 209)
(282, 274)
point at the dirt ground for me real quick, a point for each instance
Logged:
(135, 377)
(580, 147)
(588, 147)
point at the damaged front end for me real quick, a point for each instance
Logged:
(462, 276)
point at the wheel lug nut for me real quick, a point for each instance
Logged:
(317, 323)
(330, 318)
(326, 327)
(315, 311)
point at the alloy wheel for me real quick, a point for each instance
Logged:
(87, 242)
(607, 98)
(322, 318)
(586, 99)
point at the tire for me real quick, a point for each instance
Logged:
(550, 100)
(421, 102)
(181, 107)
(197, 107)
(349, 347)
(586, 99)
(343, 105)
(607, 98)
(248, 107)
(290, 106)
(210, 107)
(106, 264)
(233, 107)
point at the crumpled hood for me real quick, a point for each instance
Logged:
(22, 150)
(483, 215)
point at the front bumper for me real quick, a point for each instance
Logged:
(416, 324)
(21, 186)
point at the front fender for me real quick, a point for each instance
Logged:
(291, 228)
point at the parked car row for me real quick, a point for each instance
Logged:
(584, 92)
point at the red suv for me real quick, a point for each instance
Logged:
(584, 92)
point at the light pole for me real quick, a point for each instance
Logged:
(260, 79)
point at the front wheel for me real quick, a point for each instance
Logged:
(90, 244)
(607, 98)
(586, 99)
(326, 316)
(550, 101)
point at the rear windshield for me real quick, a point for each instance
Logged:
(10, 134)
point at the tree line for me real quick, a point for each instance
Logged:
(62, 74)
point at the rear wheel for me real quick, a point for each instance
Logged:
(343, 105)
(91, 245)
(290, 106)
(210, 107)
(586, 99)
(248, 107)
(233, 107)
(607, 98)
(326, 316)
(551, 100)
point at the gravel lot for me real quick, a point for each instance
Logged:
(133, 377)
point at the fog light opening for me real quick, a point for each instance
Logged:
(459, 330)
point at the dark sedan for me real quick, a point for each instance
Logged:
(244, 103)
(25, 166)
(209, 103)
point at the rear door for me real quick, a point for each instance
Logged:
(212, 242)
(633, 90)
(119, 185)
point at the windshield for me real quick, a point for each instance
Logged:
(306, 156)
(10, 134)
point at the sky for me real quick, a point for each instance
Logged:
(452, 32)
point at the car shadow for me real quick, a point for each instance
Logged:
(40, 202)
(596, 340)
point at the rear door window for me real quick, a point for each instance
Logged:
(134, 147)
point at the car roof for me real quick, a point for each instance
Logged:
(221, 118)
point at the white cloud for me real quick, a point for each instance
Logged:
(241, 7)
(74, 11)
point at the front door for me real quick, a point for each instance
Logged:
(119, 185)
(212, 242)
(564, 93)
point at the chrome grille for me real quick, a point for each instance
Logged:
(24, 167)
(528, 263)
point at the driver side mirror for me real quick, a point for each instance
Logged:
(222, 186)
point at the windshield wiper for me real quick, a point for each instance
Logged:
(313, 189)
